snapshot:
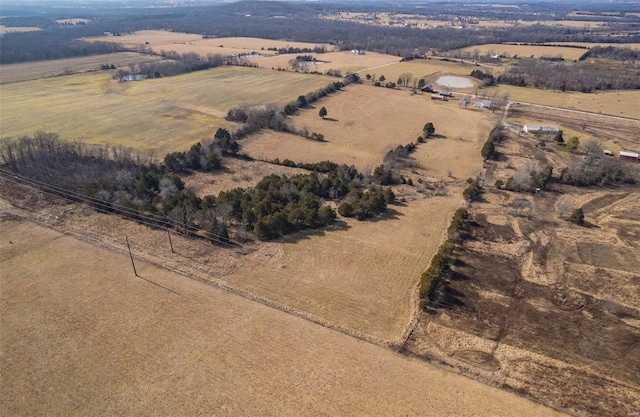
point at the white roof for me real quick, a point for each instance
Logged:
(541, 127)
(629, 154)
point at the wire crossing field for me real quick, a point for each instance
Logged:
(159, 115)
(81, 336)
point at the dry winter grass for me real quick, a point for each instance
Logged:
(42, 69)
(527, 50)
(159, 115)
(81, 336)
(10, 29)
(159, 40)
(364, 122)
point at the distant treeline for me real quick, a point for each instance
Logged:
(611, 52)
(271, 117)
(113, 179)
(38, 46)
(284, 20)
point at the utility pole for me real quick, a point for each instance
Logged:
(131, 256)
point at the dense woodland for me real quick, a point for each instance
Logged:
(280, 20)
(114, 180)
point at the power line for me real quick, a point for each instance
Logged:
(107, 207)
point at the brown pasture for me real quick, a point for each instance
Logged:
(429, 69)
(344, 61)
(526, 50)
(614, 132)
(160, 115)
(618, 103)
(364, 122)
(11, 29)
(82, 336)
(159, 40)
(43, 69)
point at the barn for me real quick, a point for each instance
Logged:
(540, 129)
(628, 156)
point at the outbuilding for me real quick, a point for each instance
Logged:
(628, 156)
(540, 129)
(438, 97)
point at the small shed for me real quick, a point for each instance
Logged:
(540, 129)
(607, 152)
(628, 156)
(438, 97)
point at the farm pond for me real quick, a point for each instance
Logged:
(452, 81)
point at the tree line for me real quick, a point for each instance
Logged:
(584, 76)
(113, 179)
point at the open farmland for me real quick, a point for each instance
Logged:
(536, 51)
(14, 29)
(42, 69)
(364, 122)
(159, 115)
(617, 103)
(429, 69)
(615, 133)
(344, 61)
(159, 40)
(110, 344)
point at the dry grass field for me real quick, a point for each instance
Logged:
(526, 50)
(618, 103)
(540, 305)
(614, 133)
(429, 69)
(159, 115)
(364, 122)
(81, 336)
(43, 69)
(159, 40)
(344, 61)
(10, 29)
(528, 95)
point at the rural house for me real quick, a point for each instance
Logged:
(483, 104)
(540, 129)
(133, 77)
(628, 156)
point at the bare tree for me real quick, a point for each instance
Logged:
(564, 206)
(592, 147)
(405, 78)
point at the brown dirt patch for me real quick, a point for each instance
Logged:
(540, 305)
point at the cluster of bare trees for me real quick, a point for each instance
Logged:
(71, 165)
(581, 76)
(595, 168)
